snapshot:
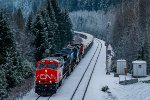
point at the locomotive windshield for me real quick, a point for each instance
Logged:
(41, 65)
(52, 66)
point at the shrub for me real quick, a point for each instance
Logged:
(105, 89)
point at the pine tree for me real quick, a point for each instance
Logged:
(73, 5)
(39, 42)
(29, 23)
(69, 26)
(34, 7)
(54, 13)
(27, 40)
(61, 21)
(96, 5)
(6, 39)
(50, 30)
(48, 39)
(19, 20)
(3, 84)
(10, 58)
(66, 26)
(50, 10)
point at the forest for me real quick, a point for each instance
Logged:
(28, 35)
(89, 5)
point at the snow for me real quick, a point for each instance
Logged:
(139, 62)
(121, 60)
(137, 91)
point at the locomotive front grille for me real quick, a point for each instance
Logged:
(42, 88)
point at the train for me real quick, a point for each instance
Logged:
(53, 70)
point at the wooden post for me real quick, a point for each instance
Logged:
(119, 79)
(126, 71)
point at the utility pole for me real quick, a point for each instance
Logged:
(107, 43)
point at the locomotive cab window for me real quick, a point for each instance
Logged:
(52, 66)
(65, 57)
(41, 65)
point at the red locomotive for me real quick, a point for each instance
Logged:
(49, 75)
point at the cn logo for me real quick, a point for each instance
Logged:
(45, 76)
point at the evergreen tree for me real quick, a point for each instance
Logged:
(89, 5)
(34, 7)
(50, 30)
(29, 23)
(39, 42)
(96, 5)
(73, 5)
(55, 8)
(11, 60)
(50, 10)
(67, 26)
(48, 34)
(61, 20)
(19, 20)
(3, 84)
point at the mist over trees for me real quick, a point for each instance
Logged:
(93, 22)
(27, 38)
(92, 16)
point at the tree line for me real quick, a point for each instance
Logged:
(90, 5)
(25, 41)
(130, 36)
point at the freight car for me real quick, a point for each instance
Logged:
(51, 71)
(67, 63)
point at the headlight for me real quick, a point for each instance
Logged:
(45, 71)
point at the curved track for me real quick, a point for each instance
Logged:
(92, 59)
(92, 72)
(96, 52)
(43, 98)
(38, 97)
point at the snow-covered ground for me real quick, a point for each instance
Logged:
(138, 91)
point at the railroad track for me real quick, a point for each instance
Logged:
(45, 98)
(37, 97)
(72, 97)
